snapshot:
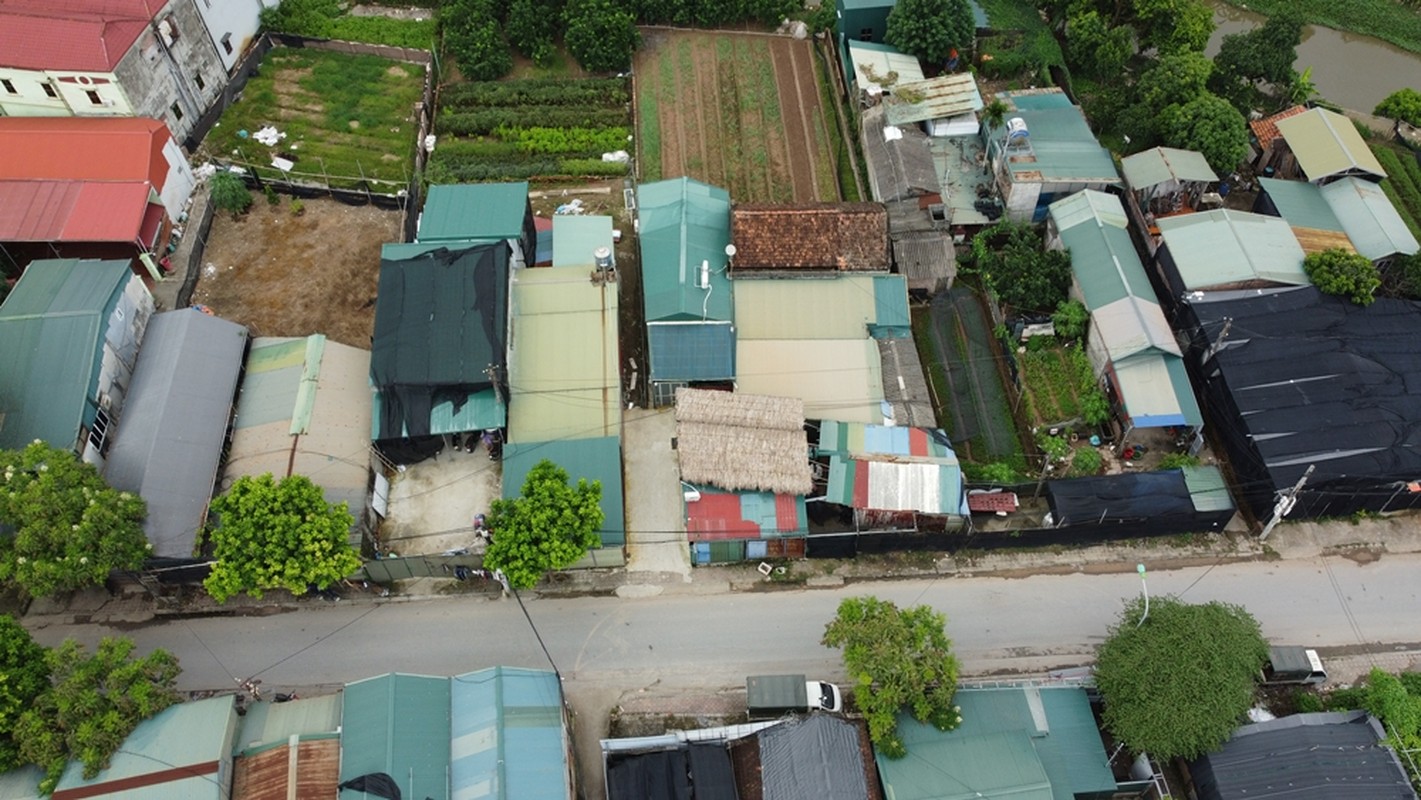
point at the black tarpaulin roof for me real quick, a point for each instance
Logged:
(699, 771)
(1305, 379)
(439, 327)
(1112, 498)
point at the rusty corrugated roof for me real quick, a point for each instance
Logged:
(810, 236)
(265, 776)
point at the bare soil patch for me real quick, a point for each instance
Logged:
(284, 275)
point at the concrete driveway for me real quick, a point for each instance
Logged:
(655, 509)
(433, 503)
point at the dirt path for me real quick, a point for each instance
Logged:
(798, 111)
(284, 275)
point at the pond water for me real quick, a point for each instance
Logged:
(1350, 70)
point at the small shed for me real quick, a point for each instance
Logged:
(169, 444)
(1328, 147)
(1304, 208)
(481, 212)
(184, 752)
(1370, 219)
(1044, 150)
(870, 66)
(946, 105)
(1225, 249)
(577, 239)
(817, 757)
(1196, 494)
(1166, 180)
(882, 468)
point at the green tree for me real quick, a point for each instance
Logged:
(92, 704)
(1407, 275)
(600, 34)
(1173, 26)
(531, 27)
(549, 526)
(278, 535)
(1210, 125)
(1014, 264)
(1262, 55)
(1388, 698)
(70, 528)
(1070, 319)
(229, 192)
(1096, 47)
(473, 36)
(899, 660)
(1339, 272)
(1402, 104)
(25, 677)
(1177, 682)
(930, 29)
(1173, 80)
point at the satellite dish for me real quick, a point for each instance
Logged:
(730, 250)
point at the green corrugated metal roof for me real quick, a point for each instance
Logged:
(272, 382)
(480, 411)
(1160, 164)
(576, 238)
(183, 735)
(890, 304)
(398, 724)
(1207, 488)
(1063, 148)
(1369, 218)
(407, 250)
(52, 324)
(564, 365)
(1301, 204)
(1327, 143)
(882, 59)
(594, 459)
(1106, 266)
(508, 740)
(681, 223)
(986, 754)
(474, 211)
(1219, 247)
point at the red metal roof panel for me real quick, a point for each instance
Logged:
(72, 211)
(75, 35)
(79, 148)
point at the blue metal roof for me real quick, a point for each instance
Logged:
(594, 459)
(507, 738)
(397, 724)
(692, 351)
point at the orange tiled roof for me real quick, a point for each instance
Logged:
(810, 236)
(1266, 129)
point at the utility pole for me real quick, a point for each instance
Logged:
(1286, 501)
(1219, 342)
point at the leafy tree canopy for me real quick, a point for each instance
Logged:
(532, 25)
(549, 526)
(278, 535)
(1181, 681)
(1174, 79)
(26, 676)
(1210, 125)
(92, 705)
(1096, 47)
(1407, 272)
(930, 29)
(600, 34)
(1265, 53)
(1403, 104)
(899, 660)
(1173, 26)
(71, 529)
(473, 36)
(1070, 319)
(1016, 266)
(1339, 272)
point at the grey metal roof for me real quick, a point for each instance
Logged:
(1369, 218)
(904, 385)
(1326, 756)
(926, 259)
(168, 443)
(901, 167)
(812, 758)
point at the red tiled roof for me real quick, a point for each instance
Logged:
(991, 502)
(72, 211)
(1266, 129)
(810, 236)
(80, 148)
(80, 35)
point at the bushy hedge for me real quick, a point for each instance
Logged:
(566, 141)
(600, 92)
(485, 121)
(711, 13)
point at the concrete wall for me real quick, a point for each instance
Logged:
(177, 188)
(173, 72)
(231, 25)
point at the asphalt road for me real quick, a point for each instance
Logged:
(997, 625)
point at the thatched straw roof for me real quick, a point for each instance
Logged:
(742, 442)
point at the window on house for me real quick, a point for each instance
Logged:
(866, 34)
(177, 112)
(201, 84)
(227, 43)
(48, 89)
(94, 97)
(9, 87)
